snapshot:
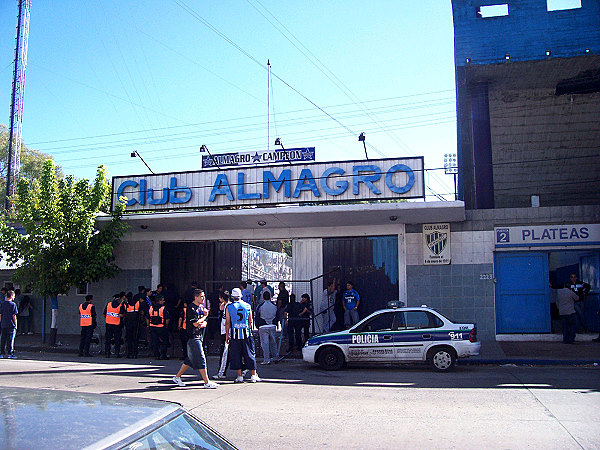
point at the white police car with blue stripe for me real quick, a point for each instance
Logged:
(396, 334)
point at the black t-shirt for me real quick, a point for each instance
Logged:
(293, 310)
(283, 298)
(306, 314)
(194, 313)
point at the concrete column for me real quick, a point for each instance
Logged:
(402, 265)
(155, 263)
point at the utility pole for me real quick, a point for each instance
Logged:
(16, 108)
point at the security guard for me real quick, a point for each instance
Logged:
(113, 313)
(158, 321)
(132, 320)
(87, 321)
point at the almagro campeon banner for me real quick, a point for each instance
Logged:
(374, 179)
(291, 155)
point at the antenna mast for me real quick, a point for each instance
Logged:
(16, 107)
(268, 105)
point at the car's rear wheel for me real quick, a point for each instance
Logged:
(331, 358)
(442, 359)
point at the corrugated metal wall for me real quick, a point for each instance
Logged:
(184, 262)
(371, 263)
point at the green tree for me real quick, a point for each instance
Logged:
(53, 239)
(31, 163)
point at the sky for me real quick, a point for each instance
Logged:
(164, 77)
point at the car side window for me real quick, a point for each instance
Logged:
(416, 320)
(381, 322)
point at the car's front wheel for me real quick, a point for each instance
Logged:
(442, 359)
(331, 358)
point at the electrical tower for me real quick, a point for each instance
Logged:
(18, 93)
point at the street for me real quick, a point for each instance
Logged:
(301, 406)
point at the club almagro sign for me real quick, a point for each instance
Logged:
(265, 185)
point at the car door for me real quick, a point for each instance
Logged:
(415, 331)
(373, 340)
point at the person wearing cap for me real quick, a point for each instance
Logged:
(114, 312)
(238, 334)
(196, 315)
(158, 323)
(87, 321)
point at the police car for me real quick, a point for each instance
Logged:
(397, 334)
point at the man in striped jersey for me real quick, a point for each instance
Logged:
(238, 334)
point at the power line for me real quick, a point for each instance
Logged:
(440, 101)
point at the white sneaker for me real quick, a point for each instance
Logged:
(255, 379)
(210, 385)
(239, 380)
(219, 376)
(245, 372)
(178, 381)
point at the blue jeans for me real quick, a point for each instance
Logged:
(580, 320)
(569, 328)
(350, 317)
(7, 341)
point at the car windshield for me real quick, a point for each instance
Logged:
(183, 432)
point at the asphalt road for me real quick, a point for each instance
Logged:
(300, 406)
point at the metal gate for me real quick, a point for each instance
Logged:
(522, 293)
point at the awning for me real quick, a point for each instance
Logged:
(366, 214)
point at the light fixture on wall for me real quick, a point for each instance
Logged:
(144, 227)
(507, 56)
(548, 52)
(393, 218)
(261, 223)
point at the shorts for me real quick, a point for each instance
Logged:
(195, 355)
(241, 354)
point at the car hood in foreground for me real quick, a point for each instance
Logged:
(40, 418)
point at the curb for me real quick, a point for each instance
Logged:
(531, 362)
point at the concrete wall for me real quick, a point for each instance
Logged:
(134, 258)
(456, 290)
(541, 143)
(526, 33)
(460, 290)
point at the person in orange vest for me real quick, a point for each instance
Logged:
(158, 322)
(113, 314)
(87, 321)
(133, 315)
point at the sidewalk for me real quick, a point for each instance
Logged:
(584, 351)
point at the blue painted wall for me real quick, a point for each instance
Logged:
(526, 33)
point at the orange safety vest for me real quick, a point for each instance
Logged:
(156, 317)
(134, 308)
(85, 317)
(112, 314)
(185, 318)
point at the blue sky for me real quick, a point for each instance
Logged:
(108, 77)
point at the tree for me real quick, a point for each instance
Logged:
(31, 162)
(58, 245)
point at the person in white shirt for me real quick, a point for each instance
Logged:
(266, 313)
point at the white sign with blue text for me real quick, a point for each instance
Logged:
(547, 235)
(375, 179)
(290, 155)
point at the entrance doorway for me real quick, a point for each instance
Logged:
(524, 301)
